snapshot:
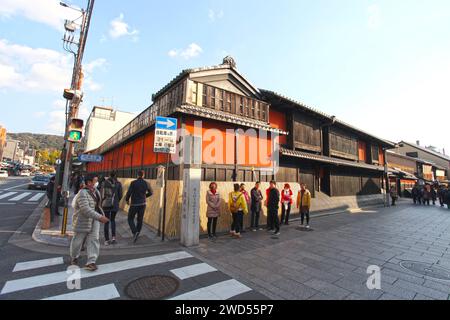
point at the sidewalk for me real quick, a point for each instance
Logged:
(124, 237)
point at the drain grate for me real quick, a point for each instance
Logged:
(427, 270)
(152, 288)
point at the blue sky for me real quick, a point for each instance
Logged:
(381, 65)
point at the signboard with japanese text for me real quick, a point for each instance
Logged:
(165, 135)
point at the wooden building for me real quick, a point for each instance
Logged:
(342, 165)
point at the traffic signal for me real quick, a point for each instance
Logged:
(75, 130)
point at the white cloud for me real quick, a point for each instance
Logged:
(49, 12)
(57, 121)
(119, 28)
(37, 69)
(215, 15)
(192, 51)
(374, 16)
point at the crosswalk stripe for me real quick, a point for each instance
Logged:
(6, 195)
(193, 271)
(107, 292)
(37, 197)
(61, 277)
(20, 196)
(23, 266)
(220, 291)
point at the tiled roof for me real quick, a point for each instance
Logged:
(437, 154)
(324, 159)
(228, 117)
(324, 115)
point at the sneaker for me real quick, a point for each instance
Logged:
(308, 227)
(107, 243)
(91, 267)
(270, 230)
(254, 230)
(113, 241)
(261, 229)
(74, 262)
(136, 236)
(276, 234)
(238, 236)
(232, 233)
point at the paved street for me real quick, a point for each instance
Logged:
(328, 263)
(331, 262)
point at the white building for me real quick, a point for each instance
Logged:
(102, 124)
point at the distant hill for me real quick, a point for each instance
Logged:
(39, 141)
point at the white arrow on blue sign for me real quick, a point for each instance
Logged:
(90, 158)
(163, 123)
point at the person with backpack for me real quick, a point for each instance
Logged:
(286, 203)
(87, 217)
(111, 192)
(273, 206)
(213, 211)
(238, 207)
(138, 192)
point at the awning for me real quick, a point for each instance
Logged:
(402, 174)
(324, 159)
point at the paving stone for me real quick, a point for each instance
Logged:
(387, 296)
(432, 293)
(327, 288)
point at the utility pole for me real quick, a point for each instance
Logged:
(73, 96)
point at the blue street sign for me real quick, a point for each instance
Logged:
(90, 158)
(163, 123)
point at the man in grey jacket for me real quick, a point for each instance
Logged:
(86, 224)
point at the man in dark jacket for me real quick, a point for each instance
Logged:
(111, 192)
(273, 206)
(441, 195)
(415, 193)
(256, 206)
(50, 189)
(139, 191)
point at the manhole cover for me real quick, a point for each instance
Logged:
(427, 270)
(152, 288)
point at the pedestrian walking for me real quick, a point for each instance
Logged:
(248, 200)
(304, 204)
(273, 207)
(433, 194)
(441, 195)
(111, 192)
(138, 192)
(426, 194)
(447, 197)
(213, 211)
(394, 195)
(49, 192)
(286, 204)
(87, 217)
(256, 206)
(270, 227)
(238, 207)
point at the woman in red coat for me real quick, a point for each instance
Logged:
(286, 203)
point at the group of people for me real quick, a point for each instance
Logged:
(428, 194)
(241, 203)
(98, 203)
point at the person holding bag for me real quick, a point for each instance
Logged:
(286, 202)
(111, 192)
(238, 207)
(213, 210)
(87, 217)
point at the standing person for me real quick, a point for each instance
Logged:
(248, 200)
(433, 194)
(304, 204)
(213, 210)
(286, 203)
(238, 207)
(426, 195)
(270, 227)
(87, 217)
(447, 197)
(111, 192)
(415, 193)
(394, 194)
(256, 206)
(273, 206)
(79, 183)
(138, 192)
(441, 195)
(49, 192)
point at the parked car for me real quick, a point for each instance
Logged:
(25, 173)
(4, 174)
(39, 182)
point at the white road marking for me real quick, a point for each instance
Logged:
(20, 196)
(193, 271)
(25, 184)
(37, 197)
(38, 264)
(61, 277)
(107, 292)
(6, 195)
(219, 291)
(7, 204)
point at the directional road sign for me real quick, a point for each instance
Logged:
(166, 135)
(90, 158)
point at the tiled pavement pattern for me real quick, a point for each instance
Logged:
(331, 262)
